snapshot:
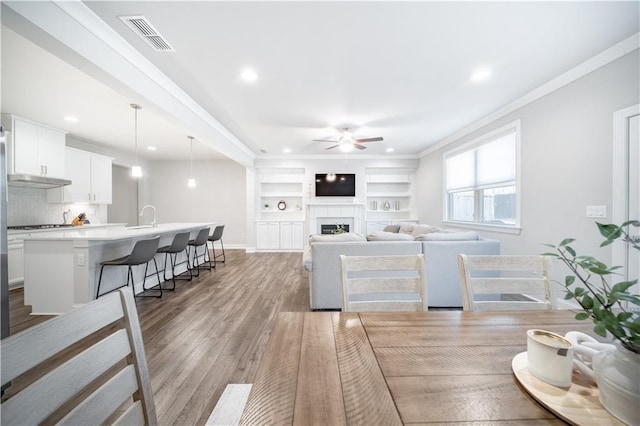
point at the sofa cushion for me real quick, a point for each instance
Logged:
(388, 236)
(449, 236)
(391, 228)
(346, 236)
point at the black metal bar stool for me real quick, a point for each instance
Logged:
(178, 245)
(143, 252)
(217, 236)
(199, 241)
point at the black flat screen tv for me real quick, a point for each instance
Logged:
(335, 185)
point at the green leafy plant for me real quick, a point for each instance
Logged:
(340, 229)
(591, 285)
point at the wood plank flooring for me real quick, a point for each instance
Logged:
(209, 332)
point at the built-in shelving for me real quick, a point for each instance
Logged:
(280, 226)
(389, 194)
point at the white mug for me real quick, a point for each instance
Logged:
(550, 357)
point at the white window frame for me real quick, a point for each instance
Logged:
(473, 144)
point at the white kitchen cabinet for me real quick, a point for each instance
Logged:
(291, 235)
(267, 235)
(35, 149)
(15, 259)
(90, 176)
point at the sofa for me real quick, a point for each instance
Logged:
(440, 253)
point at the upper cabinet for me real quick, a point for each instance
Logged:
(34, 149)
(390, 194)
(90, 175)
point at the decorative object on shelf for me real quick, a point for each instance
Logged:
(136, 170)
(282, 205)
(374, 205)
(191, 182)
(610, 307)
(386, 206)
(298, 208)
(397, 205)
(266, 205)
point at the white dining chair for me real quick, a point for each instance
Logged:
(514, 282)
(106, 382)
(383, 283)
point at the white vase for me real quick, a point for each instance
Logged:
(617, 374)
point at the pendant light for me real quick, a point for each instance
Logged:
(136, 170)
(191, 183)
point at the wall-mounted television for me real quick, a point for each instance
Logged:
(335, 185)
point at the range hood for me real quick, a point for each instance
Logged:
(32, 181)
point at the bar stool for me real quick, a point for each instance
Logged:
(143, 252)
(178, 245)
(200, 241)
(217, 236)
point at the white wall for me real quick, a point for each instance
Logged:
(219, 195)
(566, 146)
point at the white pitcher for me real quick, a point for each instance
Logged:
(615, 370)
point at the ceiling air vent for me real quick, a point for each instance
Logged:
(141, 26)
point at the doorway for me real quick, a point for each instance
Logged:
(124, 208)
(626, 186)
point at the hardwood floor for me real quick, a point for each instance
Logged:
(209, 332)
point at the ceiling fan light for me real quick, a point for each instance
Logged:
(136, 171)
(346, 147)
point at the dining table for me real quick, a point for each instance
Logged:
(343, 368)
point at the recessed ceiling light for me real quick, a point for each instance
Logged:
(71, 119)
(249, 75)
(481, 74)
(286, 150)
(389, 149)
(151, 148)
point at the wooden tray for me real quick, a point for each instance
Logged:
(578, 404)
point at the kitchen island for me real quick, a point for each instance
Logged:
(61, 269)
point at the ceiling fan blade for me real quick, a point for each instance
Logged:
(331, 147)
(323, 140)
(356, 146)
(378, 139)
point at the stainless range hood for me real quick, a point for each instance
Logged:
(32, 181)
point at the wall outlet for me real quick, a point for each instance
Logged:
(80, 259)
(597, 211)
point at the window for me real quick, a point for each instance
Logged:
(481, 180)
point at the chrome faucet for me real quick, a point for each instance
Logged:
(153, 223)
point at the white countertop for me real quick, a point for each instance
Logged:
(66, 228)
(113, 234)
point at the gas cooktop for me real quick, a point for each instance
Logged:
(45, 226)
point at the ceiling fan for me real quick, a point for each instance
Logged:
(347, 142)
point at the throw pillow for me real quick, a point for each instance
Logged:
(347, 236)
(406, 228)
(391, 228)
(449, 236)
(424, 229)
(389, 236)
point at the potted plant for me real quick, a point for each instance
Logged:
(614, 310)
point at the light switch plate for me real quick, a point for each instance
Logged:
(599, 212)
(80, 259)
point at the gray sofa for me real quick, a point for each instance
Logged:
(441, 266)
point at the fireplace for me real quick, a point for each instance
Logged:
(332, 228)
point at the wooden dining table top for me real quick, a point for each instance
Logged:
(334, 368)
